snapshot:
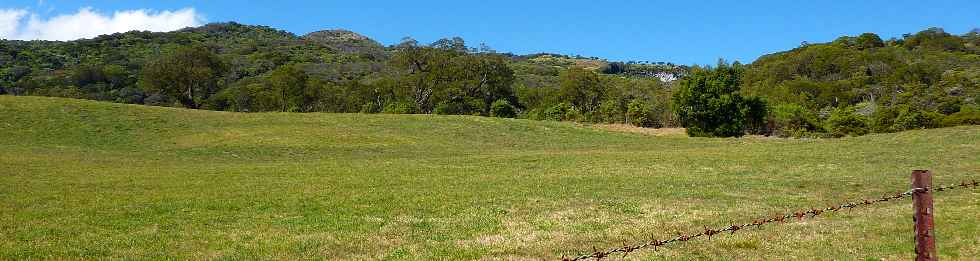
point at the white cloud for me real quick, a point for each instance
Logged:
(88, 23)
(9, 20)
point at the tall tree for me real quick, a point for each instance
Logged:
(190, 74)
(426, 70)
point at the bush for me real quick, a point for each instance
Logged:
(610, 112)
(638, 114)
(792, 120)
(845, 121)
(399, 108)
(158, 99)
(560, 112)
(370, 107)
(455, 107)
(966, 116)
(905, 117)
(502, 109)
(914, 119)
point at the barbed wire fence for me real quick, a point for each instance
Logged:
(654, 243)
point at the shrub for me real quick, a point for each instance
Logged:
(966, 116)
(158, 99)
(560, 112)
(502, 109)
(610, 112)
(399, 108)
(845, 121)
(370, 107)
(883, 119)
(454, 107)
(638, 114)
(792, 120)
(905, 117)
(914, 119)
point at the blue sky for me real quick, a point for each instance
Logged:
(684, 32)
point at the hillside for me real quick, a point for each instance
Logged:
(94, 180)
(852, 86)
(348, 42)
(922, 80)
(329, 71)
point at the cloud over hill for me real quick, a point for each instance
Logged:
(23, 24)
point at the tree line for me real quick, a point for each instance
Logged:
(852, 86)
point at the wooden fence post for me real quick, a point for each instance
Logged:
(925, 234)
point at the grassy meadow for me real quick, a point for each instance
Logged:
(92, 180)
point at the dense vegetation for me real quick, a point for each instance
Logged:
(858, 85)
(852, 86)
(244, 68)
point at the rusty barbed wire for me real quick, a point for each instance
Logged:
(626, 249)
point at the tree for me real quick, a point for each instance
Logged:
(755, 110)
(290, 84)
(190, 74)
(708, 104)
(582, 88)
(869, 41)
(455, 44)
(426, 71)
(85, 74)
(638, 114)
(484, 77)
(614, 68)
(115, 75)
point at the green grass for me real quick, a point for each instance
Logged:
(91, 180)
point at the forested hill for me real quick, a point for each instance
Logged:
(230, 66)
(913, 82)
(852, 86)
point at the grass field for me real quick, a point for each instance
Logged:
(87, 180)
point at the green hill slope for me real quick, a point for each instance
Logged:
(84, 179)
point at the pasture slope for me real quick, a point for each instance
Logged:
(91, 180)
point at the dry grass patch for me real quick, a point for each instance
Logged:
(661, 132)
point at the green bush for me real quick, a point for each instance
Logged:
(966, 116)
(792, 120)
(905, 117)
(561, 112)
(370, 107)
(502, 109)
(456, 107)
(845, 121)
(399, 108)
(610, 112)
(638, 114)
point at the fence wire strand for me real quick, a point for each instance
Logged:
(654, 243)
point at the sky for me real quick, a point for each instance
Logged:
(682, 32)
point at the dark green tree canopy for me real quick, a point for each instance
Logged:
(582, 88)
(189, 73)
(708, 102)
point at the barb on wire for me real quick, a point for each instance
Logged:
(801, 214)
